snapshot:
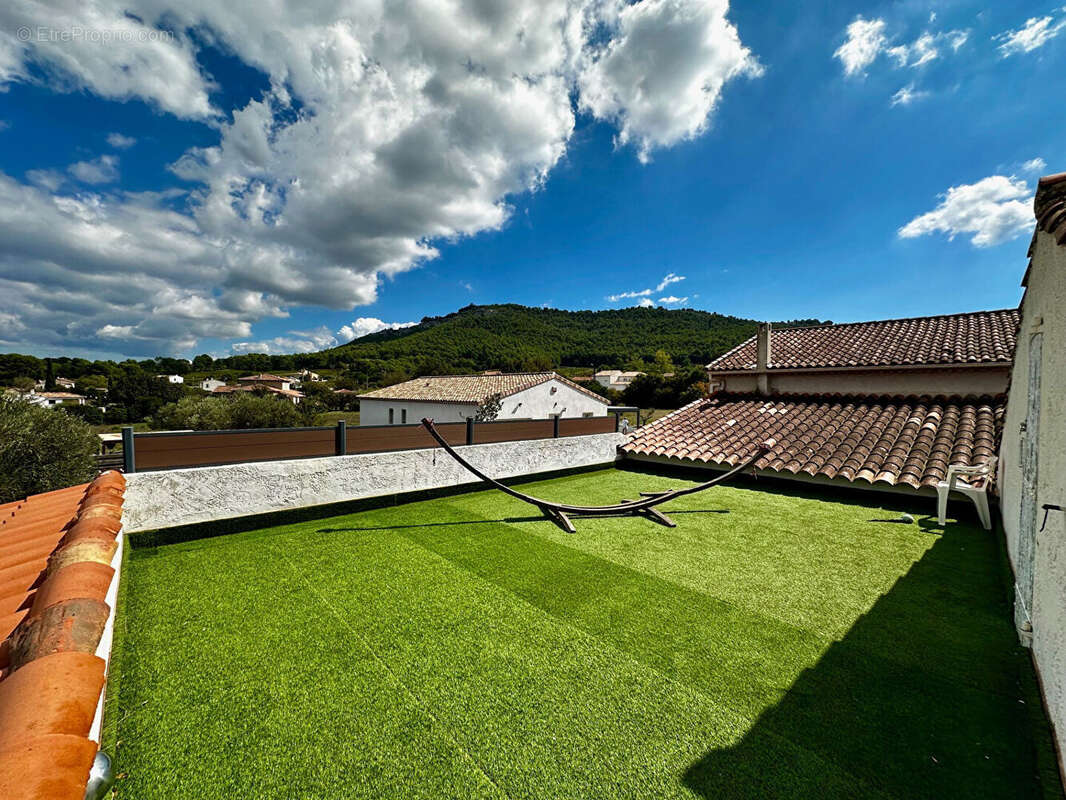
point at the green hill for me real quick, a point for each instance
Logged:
(517, 338)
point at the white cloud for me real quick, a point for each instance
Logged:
(646, 303)
(671, 300)
(296, 342)
(386, 128)
(614, 298)
(908, 95)
(1035, 33)
(99, 170)
(666, 281)
(661, 73)
(1034, 165)
(364, 326)
(995, 210)
(121, 142)
(864, 43)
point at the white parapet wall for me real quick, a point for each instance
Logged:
(204, 494)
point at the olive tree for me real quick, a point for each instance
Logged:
(42, 449)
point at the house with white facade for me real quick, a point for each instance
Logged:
(616, 378)
(171, 378)
(53, 399)
(456, 398)
(266, 379)
(210, 384)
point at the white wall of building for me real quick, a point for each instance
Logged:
(1043, 312)
(962, 381)
(376, 412)
(545, 400)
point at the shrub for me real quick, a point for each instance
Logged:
(243, 410)
(42, 449)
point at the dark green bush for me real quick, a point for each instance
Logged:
(42, 449)
(242, 410)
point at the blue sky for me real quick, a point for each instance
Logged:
(205, 180)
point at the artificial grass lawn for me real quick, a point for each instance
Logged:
(773, 644)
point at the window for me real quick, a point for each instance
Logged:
(392, 415)
(587, 414)
(403, 416)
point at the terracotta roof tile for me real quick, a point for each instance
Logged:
(1050, 206)
(469, 388)
(55, 572)
(897, 441)
(981, 337)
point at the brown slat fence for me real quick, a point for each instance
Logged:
(173, 450)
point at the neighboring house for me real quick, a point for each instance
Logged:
(1032, 472)
(886, 404)
(266, 379)
(52, 399)
(171, 378)
(65, 383)
(454, 398)
(210, 384)
(305, 376)
(953, 354)
(291, 395)
(616, 378)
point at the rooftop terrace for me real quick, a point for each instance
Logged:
(773, 644)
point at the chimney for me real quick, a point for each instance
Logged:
(763, 357)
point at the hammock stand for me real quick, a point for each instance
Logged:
(560, 513)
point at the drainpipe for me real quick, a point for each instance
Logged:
(763, 357)
(101, 777)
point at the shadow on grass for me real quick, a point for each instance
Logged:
(535, 518)
(953, 714)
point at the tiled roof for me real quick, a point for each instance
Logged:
(257, 387)
(265, 376)
(469, 388)
(909, 441)
(60, 395)
(980, 337)
(56, 551)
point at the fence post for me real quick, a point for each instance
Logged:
(342, 437)
(555, 426)
(617, 421)
(469, 430)
(129, 459)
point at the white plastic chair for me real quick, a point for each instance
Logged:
(975, 486)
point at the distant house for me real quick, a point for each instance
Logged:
(171, 378)
(616, 379)
(266, 379)
(52, 399)
(305, 376)
(66, 383)
(454, 398)
(291, 395)
(889, 403)
(210, 384)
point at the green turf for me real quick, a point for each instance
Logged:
(772, 645)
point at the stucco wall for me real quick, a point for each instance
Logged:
(953, 381)
(537, 402)
(376, 412)
(1043, 310)
(183, 496)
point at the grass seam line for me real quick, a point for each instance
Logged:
(633, 659)
(399, 682)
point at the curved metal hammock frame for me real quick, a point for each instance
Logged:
(560, 513)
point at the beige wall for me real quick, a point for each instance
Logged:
(1044, 310)
(950, 381)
